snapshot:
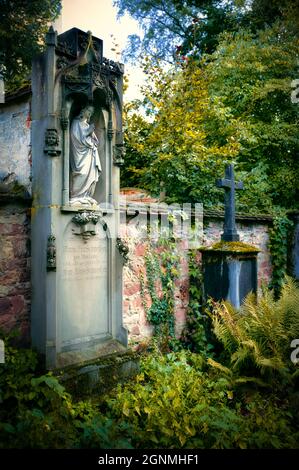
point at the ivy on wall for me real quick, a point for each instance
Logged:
(162, 270)
(278, 245)
(158, 284)
(197, 332)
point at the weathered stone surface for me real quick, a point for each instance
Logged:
(252, 232)
(229, 185)
(100, 375)
(85, 276)
(229, 271)
(76, 264)
(15, 147)
(90, 353)
(15, 288)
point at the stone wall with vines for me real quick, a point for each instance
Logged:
(146, 302)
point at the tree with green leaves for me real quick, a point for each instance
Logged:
(23, 24)
(251, 75)
(231, 106)
(177, 153)
(175, 28)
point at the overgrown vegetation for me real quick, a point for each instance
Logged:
(226, 98)
(158, 286)
(196, 336)
(246, 397)
(37, 412)
(179, 401)
(279, 237)
(257, 338)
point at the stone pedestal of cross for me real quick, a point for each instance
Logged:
(230, 233)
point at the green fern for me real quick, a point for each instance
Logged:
(258, 336)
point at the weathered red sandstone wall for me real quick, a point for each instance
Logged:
(15, 290)
(15, 202)
(253, 230)
(133, 304)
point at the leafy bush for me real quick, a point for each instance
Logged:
(173, 405)
(179, 402)
(37, 412)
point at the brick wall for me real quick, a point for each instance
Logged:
(15, 269)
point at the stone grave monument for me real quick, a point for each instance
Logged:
(77, 148)
(230, 266)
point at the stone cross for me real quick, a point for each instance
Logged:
(230, 233)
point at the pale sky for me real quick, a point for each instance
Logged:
(99, 16)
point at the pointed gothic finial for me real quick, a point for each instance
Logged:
(51, 37)
(89, 52)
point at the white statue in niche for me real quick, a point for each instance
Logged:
(84, 159)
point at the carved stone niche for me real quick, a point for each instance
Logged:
(88, 79)
(90, 187)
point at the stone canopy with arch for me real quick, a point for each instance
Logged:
(88, 80)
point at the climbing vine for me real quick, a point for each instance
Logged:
(278, 245)
(195, 335)
(162, 269)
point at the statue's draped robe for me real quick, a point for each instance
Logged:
(85, 161)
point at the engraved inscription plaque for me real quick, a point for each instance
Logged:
(84, 289)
